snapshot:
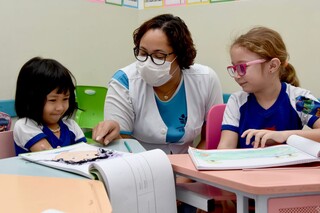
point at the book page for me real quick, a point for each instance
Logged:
(75, 158)
(140, 183)
(272, 156)
(309, 146)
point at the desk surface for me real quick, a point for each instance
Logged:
(259, 181)
(21, 193)
(18, 166)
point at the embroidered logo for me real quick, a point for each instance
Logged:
(183, 120)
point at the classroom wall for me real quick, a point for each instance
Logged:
(215, 26)
(93, 40)
(90, 39)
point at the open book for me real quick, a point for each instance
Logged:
(298, 150)
(142, 182)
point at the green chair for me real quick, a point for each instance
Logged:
(90, 111)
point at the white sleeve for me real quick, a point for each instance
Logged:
(231, 114)
(294, 92)
(25, 130)
(118, 106)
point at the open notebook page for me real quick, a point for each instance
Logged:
(306, 145)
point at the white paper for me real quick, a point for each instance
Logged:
(140, 183)
(309, 146)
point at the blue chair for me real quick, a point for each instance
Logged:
(8, 107)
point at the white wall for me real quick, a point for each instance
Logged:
(215, 26)
(90, 39)
(94, 40)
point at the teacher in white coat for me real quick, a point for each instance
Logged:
(162, 99)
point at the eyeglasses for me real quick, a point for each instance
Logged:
(157, 58)
(241, 69)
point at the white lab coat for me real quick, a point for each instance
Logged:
(134, 107)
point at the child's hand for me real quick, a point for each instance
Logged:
(106, 131)
(264, 137)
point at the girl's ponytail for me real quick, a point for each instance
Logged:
(288, 75)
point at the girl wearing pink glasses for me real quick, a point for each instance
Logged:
(264, 113)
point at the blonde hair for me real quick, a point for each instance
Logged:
(268, 44)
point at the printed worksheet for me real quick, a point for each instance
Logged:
(147, 177)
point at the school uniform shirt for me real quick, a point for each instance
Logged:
(244, 112)
(168, 125)
(27, 132)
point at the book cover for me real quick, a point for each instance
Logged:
(298, 150)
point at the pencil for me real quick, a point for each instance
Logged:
(127, 146)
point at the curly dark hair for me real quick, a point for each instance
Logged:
(37, 78)
(178, 34)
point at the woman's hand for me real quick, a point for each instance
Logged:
(106, 131)
(265, 137)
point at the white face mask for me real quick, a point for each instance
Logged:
(155, 75)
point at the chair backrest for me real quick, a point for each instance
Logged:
(213, 126)
(90, 101)
(7, 144)
(7, 106)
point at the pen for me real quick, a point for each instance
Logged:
(127, 146)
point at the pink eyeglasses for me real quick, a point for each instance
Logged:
(241, 69)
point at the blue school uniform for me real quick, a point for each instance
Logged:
(27, 132)
(244, 112)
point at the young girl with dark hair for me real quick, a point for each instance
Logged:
(44, 103)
